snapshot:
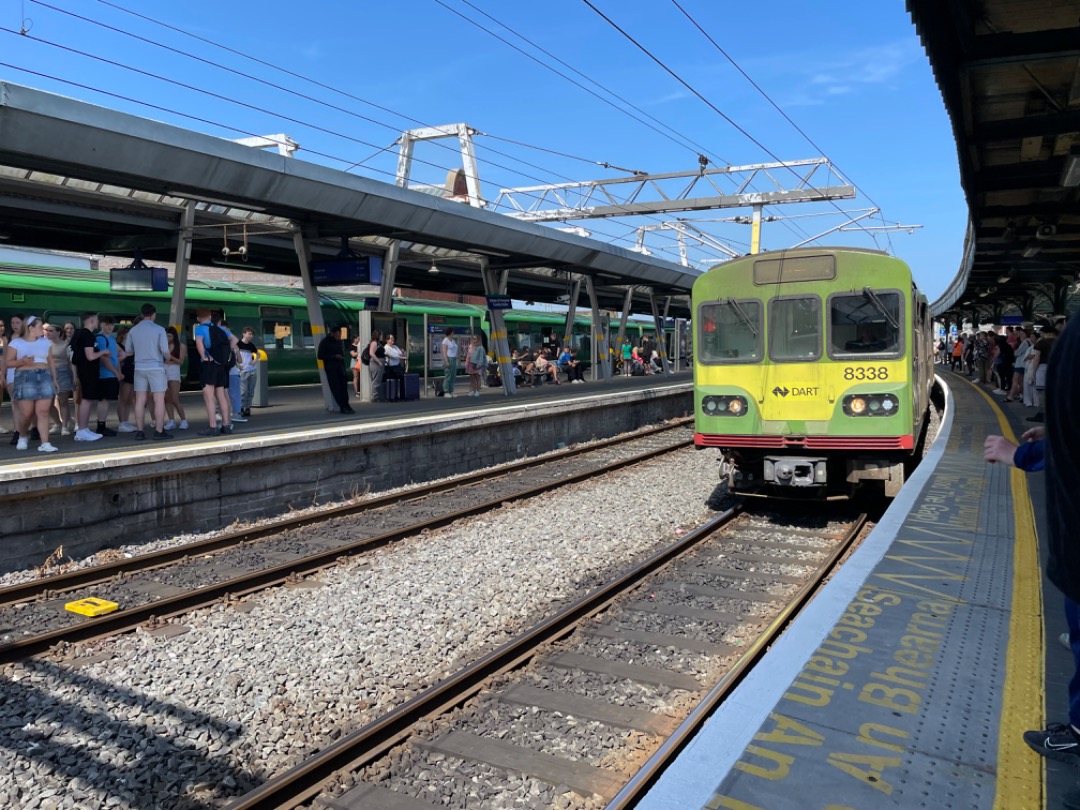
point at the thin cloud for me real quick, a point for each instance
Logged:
(854, 73)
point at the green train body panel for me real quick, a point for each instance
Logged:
(802, 393)
(61, 288)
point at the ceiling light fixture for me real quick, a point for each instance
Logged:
(434, 267)
(1030, 250)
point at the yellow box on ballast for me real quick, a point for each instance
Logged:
(91, 606)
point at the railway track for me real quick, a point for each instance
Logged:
(153, 587)
(565, 714)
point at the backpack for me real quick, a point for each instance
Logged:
(219, 350)
(365, 355)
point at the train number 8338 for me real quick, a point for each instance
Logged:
(866, 373)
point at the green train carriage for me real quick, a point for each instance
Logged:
(812, 370)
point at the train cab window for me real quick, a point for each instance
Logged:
(795, 328)
(277, 334)
(730, 331)
(866, 323)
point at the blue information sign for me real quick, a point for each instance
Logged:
(139, 279)
(349, 270)
(499, 302)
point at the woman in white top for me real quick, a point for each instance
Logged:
(177, 357)
(35, 381)
(395, 359)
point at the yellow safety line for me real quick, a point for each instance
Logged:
(1021, 773)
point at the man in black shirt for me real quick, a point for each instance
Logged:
(85, 356)
(332, 356)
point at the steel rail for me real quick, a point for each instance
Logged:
(646, 777)
(71, 580)
(125, 620)
(302, 783)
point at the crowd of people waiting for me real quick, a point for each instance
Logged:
(1015, 362)
(60, 376)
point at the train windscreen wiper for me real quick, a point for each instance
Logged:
(877, 302)
(745, 318)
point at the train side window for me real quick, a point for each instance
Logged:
(277, 334)
(866, 323)
(306, 338)
(730, 331)
(795, 328)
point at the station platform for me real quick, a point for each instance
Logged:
(909, 681)
(295, 455)
(300, 408)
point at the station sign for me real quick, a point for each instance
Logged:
(1012, 320)
(499, 302)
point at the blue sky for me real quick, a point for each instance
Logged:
(856, 81)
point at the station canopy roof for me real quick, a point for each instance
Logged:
(1009, 73)
(82, 178)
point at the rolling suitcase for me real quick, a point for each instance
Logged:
(392, 390)
(412, 386)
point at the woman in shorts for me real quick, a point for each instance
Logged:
(9, 375)
(35, 381)
(65, 377)
(177, 357)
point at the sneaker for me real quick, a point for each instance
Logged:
(1064, 640)
(35, 435)
(449, 395)
(3, 430)
(1057, 741)
(226, 430)
(140, 435)
(14, 438)
(86, 435)
(105, 431)
(162, 434)
(1000, 392)
(65, 431)
(46, 448)
(1036, 418)
(183, 424)
(210, 432)
(170, 425)
(236, 418)
(54, 429)
(126, 427)
(22, 444)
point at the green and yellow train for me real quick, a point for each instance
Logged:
(812, 370)
(61, 287)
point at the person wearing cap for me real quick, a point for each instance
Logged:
(332, 356)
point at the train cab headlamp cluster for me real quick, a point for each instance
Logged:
(724, 406)
(871, 404)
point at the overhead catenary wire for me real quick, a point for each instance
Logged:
(350, 163)
(776, 106)
(660, 63)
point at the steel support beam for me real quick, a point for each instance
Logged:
(311, 297)
(183, 259)
(497, 339)
(601, 367)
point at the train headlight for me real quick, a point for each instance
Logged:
(870, 404)
(724, 405)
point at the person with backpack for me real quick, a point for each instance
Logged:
(216, 357)
(332, 355)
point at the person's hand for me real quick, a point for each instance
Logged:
(1034, 434)
(998, 449)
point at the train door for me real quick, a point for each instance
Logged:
(388, 323)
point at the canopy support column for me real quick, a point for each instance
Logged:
(659, 322)
(602, 354)
(386, 288)
(497, 339)
(311, 296)
(571, 311)
(183, 259)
